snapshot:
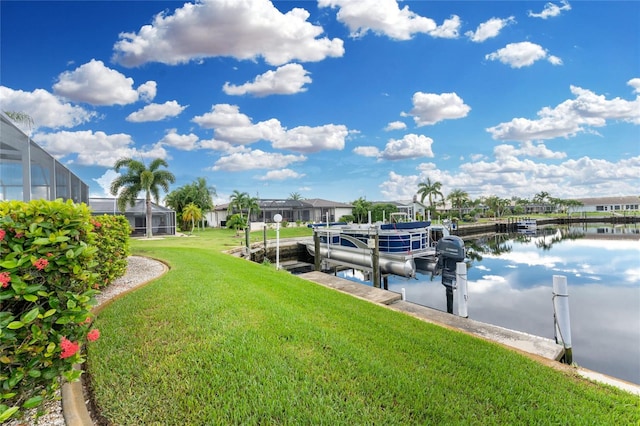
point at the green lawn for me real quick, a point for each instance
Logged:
(219, 340)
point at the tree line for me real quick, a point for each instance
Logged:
(193, 200)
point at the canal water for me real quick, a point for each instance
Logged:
(510, 279)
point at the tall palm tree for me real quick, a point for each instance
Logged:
(430, 190)
(459, 199)
(237, 201)
(295, 196)
(138, 178)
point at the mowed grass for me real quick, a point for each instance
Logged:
(219, 340)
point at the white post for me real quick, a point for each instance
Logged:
(561, 315)
(404, 294)
(277, 219)
(461, 284)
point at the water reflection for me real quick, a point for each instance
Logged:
(510, 284)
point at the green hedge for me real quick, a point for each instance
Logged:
(47, 275)
(112, 241)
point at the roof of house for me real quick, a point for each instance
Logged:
(277, 204)
(609, 200)
(108, 206)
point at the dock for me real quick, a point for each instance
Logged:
(535, 345)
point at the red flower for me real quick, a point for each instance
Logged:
(19, 235)
(49, 254)
(5, 279)
(2, 234)
(41, 263)
(93, 335)
(96, 224)
(69, 348)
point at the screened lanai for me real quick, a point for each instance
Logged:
(28, 172)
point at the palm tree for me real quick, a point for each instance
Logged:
(197, 192)
(251, 203)
(459, 199)
(361, 208)
(237, 201)
(295, 196)
(139, 178)
(192, 213)
(235, 221)
(430, 190)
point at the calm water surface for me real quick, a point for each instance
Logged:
(510, 281)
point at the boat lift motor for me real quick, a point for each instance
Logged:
(449, 251)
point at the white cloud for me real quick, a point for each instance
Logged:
(410, 146)
(430, 108)
(240, 29)
(156, 112)
(395, 125)
(385, 17)
(551, 10)
(223, 115)
(104, 182)
(448, 29)
(256, 159)
(554, 60)
(569, 118)
(523, 54)
(381, 17)
(95, 84)
(635, 83)
(286, 80)
(232, 126)
(147, 91)
(489, 29)
(46, 109)
(367, 151)
(94, 148)
(312, 139)
(183, 142)
(222, 146)
(527, 149)
(282, 174)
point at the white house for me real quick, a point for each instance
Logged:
(614, 205)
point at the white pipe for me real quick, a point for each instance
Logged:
(461, 282)
(561, 314)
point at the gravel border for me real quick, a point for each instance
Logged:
(140, 270)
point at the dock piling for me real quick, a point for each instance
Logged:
(561, 320)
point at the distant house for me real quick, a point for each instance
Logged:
(608, 204)
(163, 219)
(28, 172)
(308, 210)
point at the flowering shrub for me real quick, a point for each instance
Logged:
(112, 240)
(47, 262)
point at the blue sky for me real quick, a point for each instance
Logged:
(335, 99)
